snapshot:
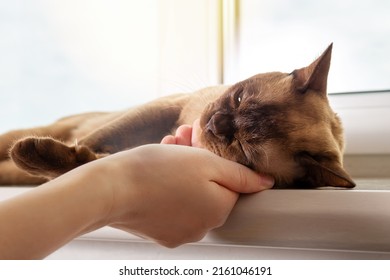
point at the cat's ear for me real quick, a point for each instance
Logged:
(315, 75)
(324, 173)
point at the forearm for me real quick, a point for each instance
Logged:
(44, 219)
(167, 193)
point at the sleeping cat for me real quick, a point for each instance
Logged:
(275, 123)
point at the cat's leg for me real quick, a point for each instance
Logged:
(48, 157)
(38, 152)
(10, 174)
(60, 129)
(7, 139)
(139, 126)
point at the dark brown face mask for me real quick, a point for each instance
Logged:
(281, 124)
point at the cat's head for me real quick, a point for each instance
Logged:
(281, 124)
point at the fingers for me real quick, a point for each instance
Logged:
(182, 137)
(239, 178)
(169, 139)
(196, 130)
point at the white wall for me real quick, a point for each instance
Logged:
(69, 56)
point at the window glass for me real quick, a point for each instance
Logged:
(281, 35)
(63, 57)
(70, 56)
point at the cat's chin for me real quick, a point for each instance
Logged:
(233, 151)
(270, 161)
(281, 181)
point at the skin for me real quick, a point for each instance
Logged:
(138, 191)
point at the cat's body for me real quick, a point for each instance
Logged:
(276, 123)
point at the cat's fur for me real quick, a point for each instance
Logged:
(276, 123)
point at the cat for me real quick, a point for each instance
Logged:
(276, 123)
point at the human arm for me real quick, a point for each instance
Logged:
(167, 193)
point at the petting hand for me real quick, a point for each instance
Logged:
(177, 193)
(185, 135)
(174, 194)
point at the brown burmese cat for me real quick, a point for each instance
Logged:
(275, 123)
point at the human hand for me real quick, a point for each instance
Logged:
(178, 193)
(185, 135)
(173, 194)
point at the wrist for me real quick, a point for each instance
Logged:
(90, 194)
(112, 196)
(101, 185)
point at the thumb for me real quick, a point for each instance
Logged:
(240, 178)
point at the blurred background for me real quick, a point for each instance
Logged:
(69, 56)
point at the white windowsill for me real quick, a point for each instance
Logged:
(272, 224)
(310, 219)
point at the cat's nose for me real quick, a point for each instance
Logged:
(222, 126)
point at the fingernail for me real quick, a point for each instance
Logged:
(267, 181)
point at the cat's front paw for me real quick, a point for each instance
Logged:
(47, 157)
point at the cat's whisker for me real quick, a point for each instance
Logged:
(253, 153)
(184, 82)
(249, 151)
(265, 155)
